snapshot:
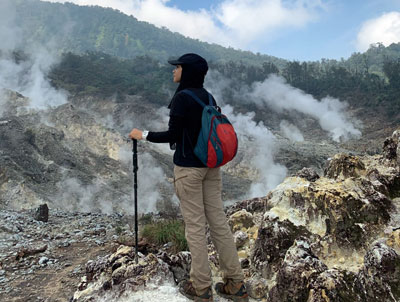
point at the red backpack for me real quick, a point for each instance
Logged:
(217, 143)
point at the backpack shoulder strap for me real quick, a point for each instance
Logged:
(210, 99)
(197, 99)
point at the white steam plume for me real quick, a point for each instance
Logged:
(330, 112)
(151, 178)
(73, 195)
(255, 140)
(29, 78)
(29, 75)
(258, 143)
(291, 132)
(160, 124)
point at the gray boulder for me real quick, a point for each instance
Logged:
(42, 213)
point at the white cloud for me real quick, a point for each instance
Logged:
(235, 23)
(248, 20)
(385, 29)
(195, 24)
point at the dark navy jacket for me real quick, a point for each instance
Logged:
(183, 127)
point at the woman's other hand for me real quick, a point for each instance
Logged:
(136, 134)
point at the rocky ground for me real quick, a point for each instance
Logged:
(43, 261)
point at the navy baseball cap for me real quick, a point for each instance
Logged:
(191, 59)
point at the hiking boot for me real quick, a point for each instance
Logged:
(232, 290)
(186, 288)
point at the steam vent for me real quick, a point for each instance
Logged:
(311, 239)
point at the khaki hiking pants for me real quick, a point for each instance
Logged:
(199, 192)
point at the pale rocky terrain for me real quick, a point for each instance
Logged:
(77, 156)
(327, 233)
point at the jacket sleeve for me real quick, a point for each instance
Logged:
(172, 135)
(175, 125)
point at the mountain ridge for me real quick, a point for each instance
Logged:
(113, 32)
(78, 29)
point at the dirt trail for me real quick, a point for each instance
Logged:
(57, 285)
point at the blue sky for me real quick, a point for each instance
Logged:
(292, 29)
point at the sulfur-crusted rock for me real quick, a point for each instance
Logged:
(348, 210)
(384, 179)
(343, 166)
(121, 252)
(333, 285)
(308, 174)
(380, 277)
(95, 267)
(254, 205)
(61, 156)
(150, 268)
(241, 219)
(390, 149)
(257, 288)
(396, 139)
(179, 264)
(385, 170)
(298, 269)
(274, 239)
(13, 103)
(240, 238)
(118, 275)
(394, 240)
(121, 273)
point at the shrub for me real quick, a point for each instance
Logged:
(167, 231)
(146, 219)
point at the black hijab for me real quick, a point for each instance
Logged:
(194, 70)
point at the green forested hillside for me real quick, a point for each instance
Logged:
(102, 74)
(72, 28)
(78, 29)
(99, 73)
(374, 58)
(365, 88)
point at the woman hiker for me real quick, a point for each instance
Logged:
(198, 187)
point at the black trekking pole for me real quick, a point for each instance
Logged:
(135, 169)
